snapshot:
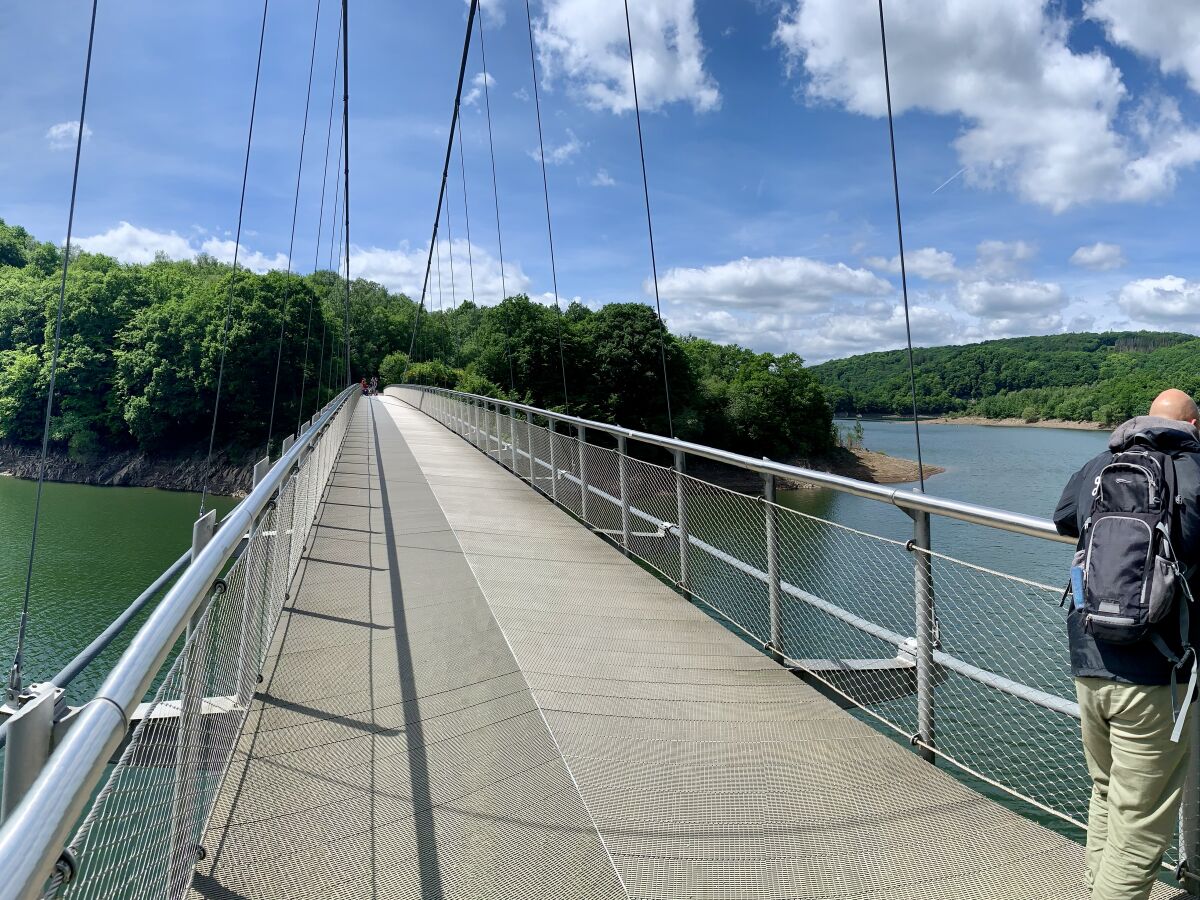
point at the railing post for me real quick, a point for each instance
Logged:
(775, 647)
(529, 447)
(622, 447)
(685, 580)
(925, 625)
(581, 431)
(245, 679)
(512, 439)
(499, 443)
(30, 729)
(475, 422)
(184, 851)
(1189, 811)
(552, 427)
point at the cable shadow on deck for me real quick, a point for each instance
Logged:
(428, 866)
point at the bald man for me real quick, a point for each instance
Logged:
(1124, 690)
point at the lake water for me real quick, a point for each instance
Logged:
(1013, 468)
(98, 548)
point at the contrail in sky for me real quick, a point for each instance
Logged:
(948, 180)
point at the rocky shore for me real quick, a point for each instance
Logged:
(229, 477)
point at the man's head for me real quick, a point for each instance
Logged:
(1175, 404)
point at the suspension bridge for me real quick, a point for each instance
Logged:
(453, 646)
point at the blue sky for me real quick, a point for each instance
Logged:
(1048, 154)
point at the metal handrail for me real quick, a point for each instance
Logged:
(32, 837)
(911, 501)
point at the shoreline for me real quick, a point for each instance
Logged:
(130, 468)
(1065, 424)
(864, 465)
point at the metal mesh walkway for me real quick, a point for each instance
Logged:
(471, 696)
(394, 749)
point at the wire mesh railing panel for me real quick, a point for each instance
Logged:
(143, 831)
(726, 550)
(602, 468)
(565, 461)
(653, 510)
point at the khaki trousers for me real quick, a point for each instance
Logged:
(1137, 783)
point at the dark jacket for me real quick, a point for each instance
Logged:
(1139, 663)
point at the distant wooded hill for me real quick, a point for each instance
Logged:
(1078, 377)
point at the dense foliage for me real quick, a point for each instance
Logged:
(1078, 377)
(140, 353)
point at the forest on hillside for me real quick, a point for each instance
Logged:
(1104, 378)
(140, 349)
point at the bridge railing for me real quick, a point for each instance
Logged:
(967, 663)
(204, 645)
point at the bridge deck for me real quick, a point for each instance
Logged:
(471, 696)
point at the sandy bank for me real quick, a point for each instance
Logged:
(1015, 423)
(863, 465)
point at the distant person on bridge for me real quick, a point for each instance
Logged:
(1136, 511)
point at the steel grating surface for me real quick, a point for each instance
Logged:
(709, 771)
(394, 748)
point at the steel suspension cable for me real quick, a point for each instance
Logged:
(317, 253)
(15, 678)
(912, 378)
(462, 74)
(487, 103)
(450, 255)
(662, 341)
(466, 212)
(451, 322)
(346, 170)
(287, 282)
(237, 245)
(335, 233)
(537, 106)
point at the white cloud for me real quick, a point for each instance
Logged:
(253, 260)
(1165, 30)
(1036, 115)
(64, 135)
(792, 282)
(1099, 256)
(564, 152)
(603, 179)
(928, 262)
(1169, 299)
(131, 244)
(1000, 299)
(471, 97)
(492, 10)
(998, 259)
(585, 43)
(403, 269)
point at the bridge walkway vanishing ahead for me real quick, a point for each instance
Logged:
(469, 695)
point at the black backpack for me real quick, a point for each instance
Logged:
(1132, 578)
